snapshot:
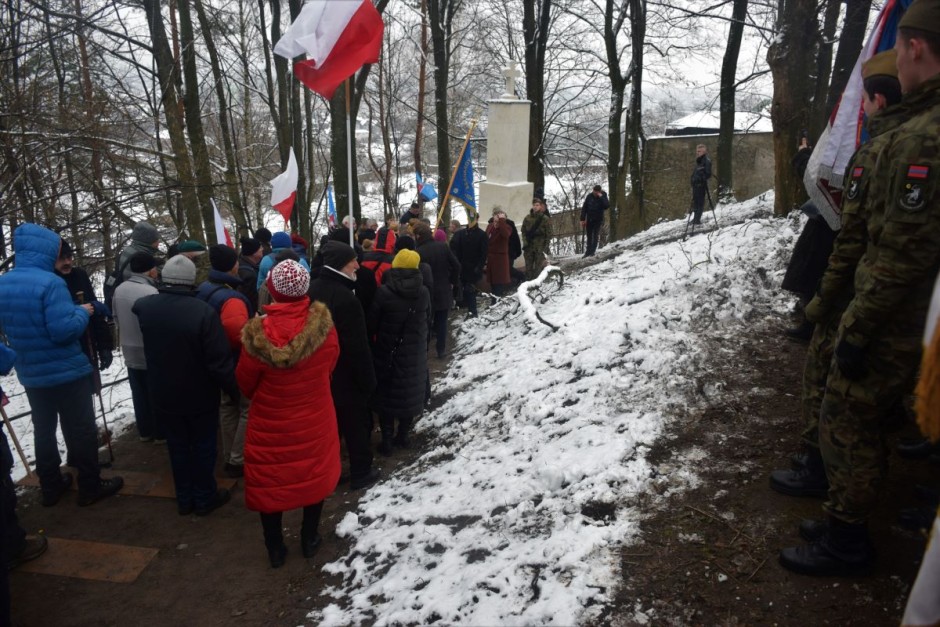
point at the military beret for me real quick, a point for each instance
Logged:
(923, 15)
(191, 246)
(882, 64)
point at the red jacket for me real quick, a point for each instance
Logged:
(292, 444)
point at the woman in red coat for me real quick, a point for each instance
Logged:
(497, 256)
(292, 444)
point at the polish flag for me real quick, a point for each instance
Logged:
(337, 36)
(284, 188)
(221, 234)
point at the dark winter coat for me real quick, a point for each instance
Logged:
(445, 270)
(497, 257)
(248, 273)
(365, 287)
(37, 314)
(515, 242)
(810, 258)
(292, 454)
(594, 207)
(470, 246)
(188, 356)
(398, 325)
(102, 341)
(354, 377)
(702, 172)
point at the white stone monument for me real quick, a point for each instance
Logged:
(507, 155)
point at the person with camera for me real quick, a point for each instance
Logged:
(700, 175)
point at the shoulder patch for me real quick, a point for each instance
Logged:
(913, 194)
(854, 185)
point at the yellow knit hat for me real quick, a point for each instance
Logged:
(407, 259)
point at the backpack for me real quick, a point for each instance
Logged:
(112, 281)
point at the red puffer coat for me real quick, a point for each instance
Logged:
(292, 444)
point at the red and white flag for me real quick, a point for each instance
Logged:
(338, 37)
(284, 188)
(221, 234)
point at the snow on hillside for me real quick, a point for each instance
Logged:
(514, 510)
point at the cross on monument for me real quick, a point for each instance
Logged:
(511, 73)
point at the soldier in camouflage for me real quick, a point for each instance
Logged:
(878, 340)
(536, 232)
(880, 101)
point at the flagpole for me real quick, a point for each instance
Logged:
(450, 184)
(349, 162)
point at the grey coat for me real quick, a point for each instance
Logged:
(132, 341)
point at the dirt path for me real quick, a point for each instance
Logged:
(709, 555)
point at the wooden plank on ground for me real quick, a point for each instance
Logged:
(138, 483)
(96, 561)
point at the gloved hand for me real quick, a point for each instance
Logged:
(583, 223)
(101, 309)
(104, 359)
(815, 311)
(851, 360)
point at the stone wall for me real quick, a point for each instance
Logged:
(668, 164)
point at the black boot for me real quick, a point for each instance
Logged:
(401, 438)
(808, 481)
(813, 529)
(274, 538)
(309, 538)
(388, 429)
(801, 333)
(844, 550)
(798, 460)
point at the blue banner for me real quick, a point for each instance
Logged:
(425, 190)
(462, 188)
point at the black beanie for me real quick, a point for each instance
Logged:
(222, 258)
(250, 246)
(404, 242)
(65, 250)
(263, 235)
(142, 262)
(337, 254)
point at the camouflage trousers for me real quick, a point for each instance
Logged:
(815, 375)
(851, 421)
(534, 262)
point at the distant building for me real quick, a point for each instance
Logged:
(709, 123)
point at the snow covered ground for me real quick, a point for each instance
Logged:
(514, 512)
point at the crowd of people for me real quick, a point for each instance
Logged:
(866, 311)
(269, 355)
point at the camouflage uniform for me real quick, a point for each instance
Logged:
(536, 232)
(835, 288)
(885, 319)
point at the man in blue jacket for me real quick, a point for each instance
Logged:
(45, 329)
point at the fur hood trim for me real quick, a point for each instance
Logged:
(256, 343)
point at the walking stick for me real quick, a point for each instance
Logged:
(16, 442)
(93, 358)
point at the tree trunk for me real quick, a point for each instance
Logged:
(729, 66)
(282, 115)
(854, 30)
(823, 69)
(441, 17)
(616, 168)
(197, 136)
(792, 64)
(168, 97)
(536, 18)
(422, 86)
(635, 112)
(231, 180)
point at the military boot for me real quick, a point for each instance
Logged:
(813, 529)
(810, 480)
(404, 428)
(844, 550)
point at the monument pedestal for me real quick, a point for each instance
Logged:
(514, 198)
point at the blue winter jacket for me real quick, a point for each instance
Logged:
(267, 262)
(37, 314)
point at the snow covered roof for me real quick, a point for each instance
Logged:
(743, 122)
